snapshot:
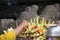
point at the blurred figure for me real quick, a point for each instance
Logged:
(51, 12)
(30, 12)
(58, 22)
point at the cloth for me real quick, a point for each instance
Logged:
(8, 36)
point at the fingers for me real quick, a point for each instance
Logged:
(23, 25)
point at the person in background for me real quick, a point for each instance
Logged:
(11, 35)
(58, 22)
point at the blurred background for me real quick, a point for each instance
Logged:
(13, 8)
(12, 11)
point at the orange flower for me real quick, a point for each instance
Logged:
(40, 31)
(35, 27)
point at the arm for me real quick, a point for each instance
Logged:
(12, 34)
(19, 29)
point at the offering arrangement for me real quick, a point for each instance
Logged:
(37, 29)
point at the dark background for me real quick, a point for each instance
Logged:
(12, 8)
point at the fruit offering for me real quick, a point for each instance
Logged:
(37, 29)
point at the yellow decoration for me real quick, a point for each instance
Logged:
(43, 22)
(35, 23)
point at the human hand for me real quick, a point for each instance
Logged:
(21, 28)
(23, 25)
